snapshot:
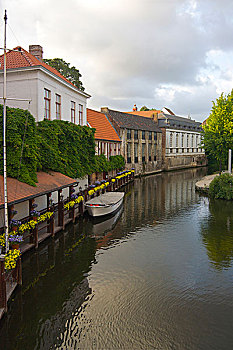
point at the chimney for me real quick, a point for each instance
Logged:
(135, 108)
(37, 51)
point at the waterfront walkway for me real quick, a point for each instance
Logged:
(203, 184)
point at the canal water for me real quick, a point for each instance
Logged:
(158, 275)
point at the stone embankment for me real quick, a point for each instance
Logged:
(203, 184)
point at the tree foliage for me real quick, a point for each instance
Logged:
(70, 73)
(145, 108)
(218, 130)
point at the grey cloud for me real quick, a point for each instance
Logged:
(125, 49)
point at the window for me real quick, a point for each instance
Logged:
(182, 140)
(155, 136)
(58, 106)
(135, 134)
(177, 140)
(143, 134)
(149, 151)
(136, 153)
(192, 141)
(155, 154)
(150, 135)
(171, 137)
(128, 134)
(47, 100)
(80, 114)
(128, 152)
(72, 112)
(143, 152)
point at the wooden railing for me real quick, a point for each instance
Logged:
(8, 282)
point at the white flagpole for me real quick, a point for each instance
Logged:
(4, 142)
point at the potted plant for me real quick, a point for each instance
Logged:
(15, 240)
(15, 225)
(34, 214)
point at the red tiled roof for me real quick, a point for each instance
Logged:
(104, 129)
(19, 191)
(23, 58)
(146, 114)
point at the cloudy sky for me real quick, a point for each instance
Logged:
(173, 53)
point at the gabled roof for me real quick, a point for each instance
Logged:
(176, 122)
(19, 191)
(103, 127)
(132, 121)
(20, 58)
(147, 114)
(167, 111)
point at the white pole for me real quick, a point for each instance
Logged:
(229, 161)
(4, 141)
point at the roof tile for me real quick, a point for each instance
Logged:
(23, 58)
(104, 129)
(19, 191)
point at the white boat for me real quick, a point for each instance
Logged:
(105, 204)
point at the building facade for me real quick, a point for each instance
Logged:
(107, 140)
(52, 95)
(141, 140)
(181, 142)
(181, 139)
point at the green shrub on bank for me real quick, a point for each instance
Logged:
(221, 187)
(117, 162)
(114, 162)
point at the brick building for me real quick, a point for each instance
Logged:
(141, 140)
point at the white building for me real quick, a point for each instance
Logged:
(181, 141)
(52, 95)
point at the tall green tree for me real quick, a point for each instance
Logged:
(70, 73)
(144, 108)
(218, 129)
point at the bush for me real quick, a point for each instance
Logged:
(114, 162)
(221, 187)
(117, 162)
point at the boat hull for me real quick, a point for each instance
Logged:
(104, 209)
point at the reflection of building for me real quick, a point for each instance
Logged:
(53, 328)
(149, 200)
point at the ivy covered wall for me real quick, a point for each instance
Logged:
(50, 146)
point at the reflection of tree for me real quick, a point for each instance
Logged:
(217, 233)
(50, 294)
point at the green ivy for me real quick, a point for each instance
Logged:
(50, 146)
(15, 126)
(66, 148)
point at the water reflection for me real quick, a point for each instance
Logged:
(154, 289)
(217, 233)
(54, 286)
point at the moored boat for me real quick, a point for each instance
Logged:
(105, 204)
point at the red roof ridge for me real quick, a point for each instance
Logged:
(33, 61)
